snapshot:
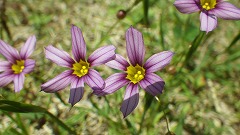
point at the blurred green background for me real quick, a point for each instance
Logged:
(201, 96)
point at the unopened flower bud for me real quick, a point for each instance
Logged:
(121, 14)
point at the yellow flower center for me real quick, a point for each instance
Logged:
(18, 67)
(208, 4)
(81, 68)
(135, 74)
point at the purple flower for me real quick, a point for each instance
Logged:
(17, 64)
(210, 10)
(136, 72)
(80, 69)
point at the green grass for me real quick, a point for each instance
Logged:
(201, 96)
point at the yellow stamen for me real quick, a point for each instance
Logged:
(135, 74)
(208, 4)
(80, 68)
(18, 66)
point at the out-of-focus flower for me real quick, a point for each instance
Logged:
(136, 72)
(210, 10)
(80, 69)
(17, 64)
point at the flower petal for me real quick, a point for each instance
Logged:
(187, 6)
(10, 53)
(18, 82)
(59, 57)
(77, 90)
(28, 47)
(102, 55)
(113, 83)
(135, 46)
(78, 44)
(208, 21)
(227, 11)
(58, 83)
(152, 83)
(94, 80)
(6, 77)
(29, 66)
(119, 63)
(5, 65)
(131, 99)
(158, 61)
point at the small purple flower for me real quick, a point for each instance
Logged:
(136, 72)
(210, 10)
(17, 64)
(80, 69)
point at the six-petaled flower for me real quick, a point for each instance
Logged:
(210, 10)
(136, 72)
(80, 69)
(17, 64)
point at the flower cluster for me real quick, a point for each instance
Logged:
(80, 69)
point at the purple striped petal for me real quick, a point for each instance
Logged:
(152, 83)
(77, 90)
(131, 99)
(10, 53)
(78, 44)
(28, 47)
(6, 77)
(59, 57)
(187, 6)
(4, 65)
(58, 83)
(119, 63)
(94, 80)
(227, 11)
(158, 61)
(18, 82)
(113, 83)
(102, 55)
(208, 22)
(29, 66)
(135, 46)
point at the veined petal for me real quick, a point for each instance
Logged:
(187, 6)
(208, 22)
(77, 90)
(28, 47)
(29, 66)
(59, 57)
(113, 83)
(135, 46)
(78, 44)
(131, 99)
(4, 65)
(152, 83)
(158, 61)
(18, 82)
(227, 11)
(10, 53)
(119, 63)
(58, 83)
(6, 77)
(94, 80)
(102, 55)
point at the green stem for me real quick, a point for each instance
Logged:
(115, 23)
(21, 125)
(145, 10)
(142, 119)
